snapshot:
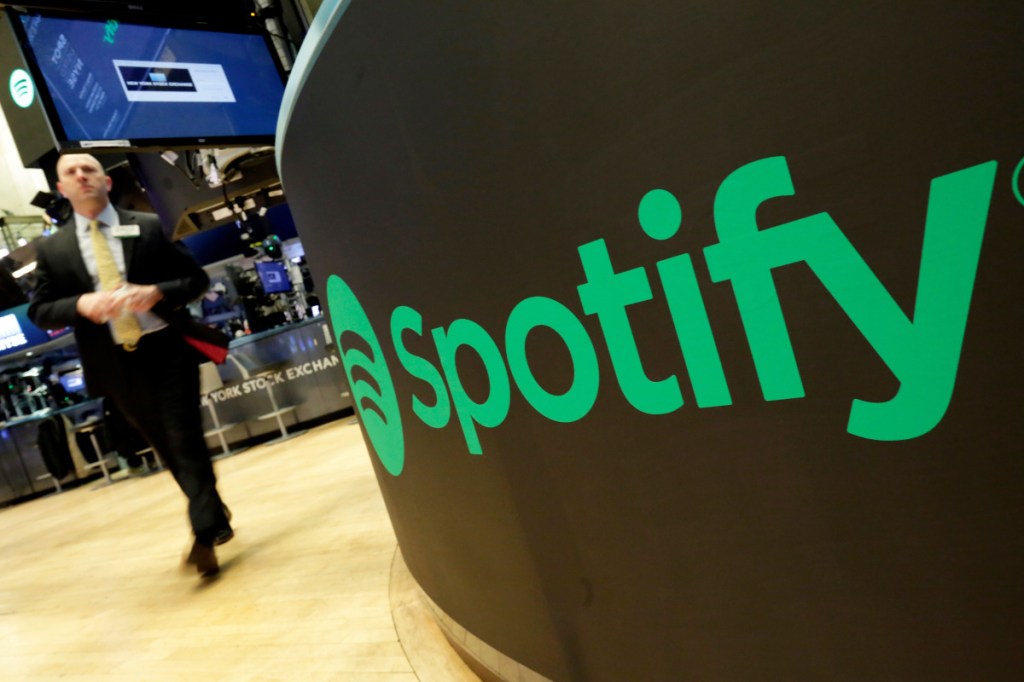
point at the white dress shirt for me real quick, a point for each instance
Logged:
(108, 218)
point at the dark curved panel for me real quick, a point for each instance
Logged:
(850, 507)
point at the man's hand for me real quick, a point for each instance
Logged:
(98, 307)
(138, 298)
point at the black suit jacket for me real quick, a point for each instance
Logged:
(150, 258)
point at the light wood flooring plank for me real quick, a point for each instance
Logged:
(91, 587)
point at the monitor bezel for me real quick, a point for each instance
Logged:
(62, 141)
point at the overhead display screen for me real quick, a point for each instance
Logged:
(112, 84)
(17, 333)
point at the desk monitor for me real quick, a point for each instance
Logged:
(73, 381)
(274, 277)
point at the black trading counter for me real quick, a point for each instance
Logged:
(273, 380)
(685, 337)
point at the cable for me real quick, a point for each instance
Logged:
(224, 191)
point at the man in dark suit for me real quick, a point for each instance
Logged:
(127, 321)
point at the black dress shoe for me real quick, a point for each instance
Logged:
(224, 534)
(204, 559)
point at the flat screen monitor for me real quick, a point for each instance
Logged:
(113, 85)
(274, 277)
(17, 333)
(73, 381)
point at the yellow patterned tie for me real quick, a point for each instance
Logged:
(127, 331)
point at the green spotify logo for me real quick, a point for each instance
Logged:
(922, 350)
(368, 375)
(23, 91)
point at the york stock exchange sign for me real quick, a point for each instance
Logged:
(277, 377)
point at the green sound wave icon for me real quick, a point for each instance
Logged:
(22, 90)
(368, 375)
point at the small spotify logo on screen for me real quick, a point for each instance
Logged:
(23, 92)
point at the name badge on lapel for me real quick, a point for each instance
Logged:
(122, 231)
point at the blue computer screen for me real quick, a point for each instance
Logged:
(274, 277)
(17, 333)
(122, 81)
(73, 381)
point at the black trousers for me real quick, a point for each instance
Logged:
(159, 395)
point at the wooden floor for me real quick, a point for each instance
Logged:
(91, 586)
